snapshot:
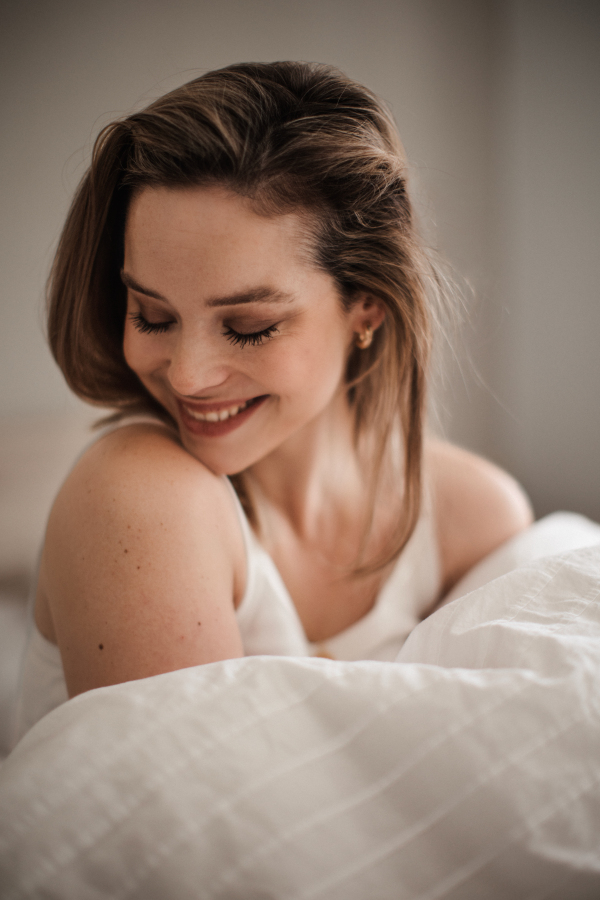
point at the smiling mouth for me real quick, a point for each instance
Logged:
(218, 422)
(221, 415)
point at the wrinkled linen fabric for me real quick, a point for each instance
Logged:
(468, 769)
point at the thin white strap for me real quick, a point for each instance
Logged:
(248, 539)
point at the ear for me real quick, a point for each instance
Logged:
(367, 311)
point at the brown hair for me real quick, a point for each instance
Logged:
(287, 135)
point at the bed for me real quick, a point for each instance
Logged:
(469, 768)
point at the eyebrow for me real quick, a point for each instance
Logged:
(255, 295)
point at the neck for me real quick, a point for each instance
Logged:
(315, 475)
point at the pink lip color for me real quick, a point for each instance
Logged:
(218, 429)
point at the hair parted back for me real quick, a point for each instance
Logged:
(288, 136)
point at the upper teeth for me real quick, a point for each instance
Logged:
(217, 416)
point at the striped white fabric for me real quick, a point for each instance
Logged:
(469, 769)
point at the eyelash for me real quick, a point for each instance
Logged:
(253, 338)
(146, 327)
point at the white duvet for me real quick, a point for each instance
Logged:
(469, 769)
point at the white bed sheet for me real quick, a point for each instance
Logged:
(470, 769)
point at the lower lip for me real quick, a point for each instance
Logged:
(219, 429)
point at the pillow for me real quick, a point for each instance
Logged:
(468, 769)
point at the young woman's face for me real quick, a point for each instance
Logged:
(229, 325)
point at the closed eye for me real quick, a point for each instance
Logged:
(253, 338)
(146, 327)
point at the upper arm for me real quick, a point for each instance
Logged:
(139, 562)
(478, 507)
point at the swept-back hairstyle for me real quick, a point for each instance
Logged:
(287, 136)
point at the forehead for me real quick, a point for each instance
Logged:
(210, 228)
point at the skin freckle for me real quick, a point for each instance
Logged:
(100, 646)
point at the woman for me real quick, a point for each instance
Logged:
(240, 267)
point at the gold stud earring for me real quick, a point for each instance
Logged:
(365, 337)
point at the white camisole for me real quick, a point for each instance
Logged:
(269, 623)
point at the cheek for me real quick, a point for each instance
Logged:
(139, 354)
(129, 348)
(311, 371)
(132, 353)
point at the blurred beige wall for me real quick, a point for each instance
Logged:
(544, 309)
(497, 105)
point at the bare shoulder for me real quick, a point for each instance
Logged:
(132, 473)
(134, 453)
(478, 507)
(141, 562)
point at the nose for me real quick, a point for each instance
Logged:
(196, 366)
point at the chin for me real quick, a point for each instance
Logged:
(219, 463)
